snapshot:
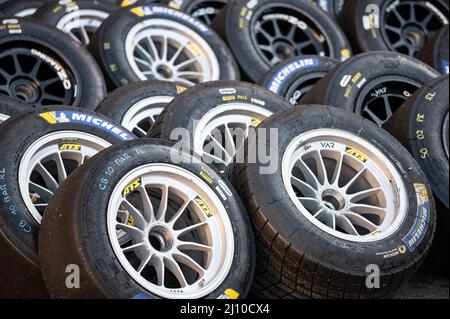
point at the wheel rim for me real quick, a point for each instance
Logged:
(408, 25)
(445, 132)
(3, 118)
(301, 86)
(171, 254)
(281, 32)
(207, 11)
(344, 185)
(82, 24)
(140, 118)
(36, 77)
(169, 51)
(220, 132)
(48, 162)
(379, 100)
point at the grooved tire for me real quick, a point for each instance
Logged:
(435, 53)
(421, 125)
(53, 70)
(113, 48)
(10, 107)
(375, 25)
(52, 130)
(295, 77)
(207, 109)
(85, 239)
(373, 84)
(303, 28)
(137, 106)
(297, 257)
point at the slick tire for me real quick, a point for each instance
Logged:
(75, 77)
(300, 256)
(421, 125)
(373, 84)
(374, 25)
(116, 56)
(293, 78)
(20, 8)
(69, 132)
(332, 7)
(10, 107)
(436, 53)
(251, 48)
(85, 239)
(204, 111)
(137, 106)
(205, 10)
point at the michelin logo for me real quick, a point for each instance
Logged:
(88, 119)
(283, 75)
(151, 10)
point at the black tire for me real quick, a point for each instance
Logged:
(19, 271)
(10, 107)
(193, 105)
(79, 81)
(365, 21)
(373, 84)
(421, 125)
(96, 11)
(88, 245)
(118, 104)
(205, 10)
(436, 53)
(293, 78)
(296, 258)
(20, 8)
(109, 46)
(240, 34)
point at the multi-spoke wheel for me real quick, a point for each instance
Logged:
(343, 185)
(80, 19)
(344, 196)
(48, 162)
(273, 31)
(162, 225)
(402, 26)
(40, 65)
(173, 242)
(161, 43)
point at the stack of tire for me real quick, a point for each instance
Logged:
(134, 163)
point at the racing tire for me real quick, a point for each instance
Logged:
(301, 29)
(43, 66)
(435, 53)
(373, 84)
(20, 8)
(387, 25)
(195, 52)
(80, 19)
(10, 107)
(293, 78)
(93, 240)
(137, 106)
(213, 119)
(421, 125)
(204, 10)
(33, 164)
(299, 255)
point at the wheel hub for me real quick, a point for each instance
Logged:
(415, 36)
(284, 49)
(160, 238)
(333, 199)
(25, 90)
(164, 72)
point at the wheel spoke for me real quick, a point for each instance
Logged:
(354, 179)
(49, 180)
(158, 264)
(356, 197)
(145, 53)
(188, 261)
(175, 269)
(183, 245)
(135, 213)
(136, 233)
(43, 192)
(144, 261)
(153, 48)
(62, 173)
(361, 221)
(305, 188)
(345, 223)
(310, 177)
(190, 228)
(148, 214)
(161, 216)
(179, 213)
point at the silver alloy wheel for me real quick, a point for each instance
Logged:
(82, 24)
(344, 185)
(220, 132)
(181, 239)
(445, 133)
(142, 115)
(3, 117)
(48, 162)
(169, 51)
